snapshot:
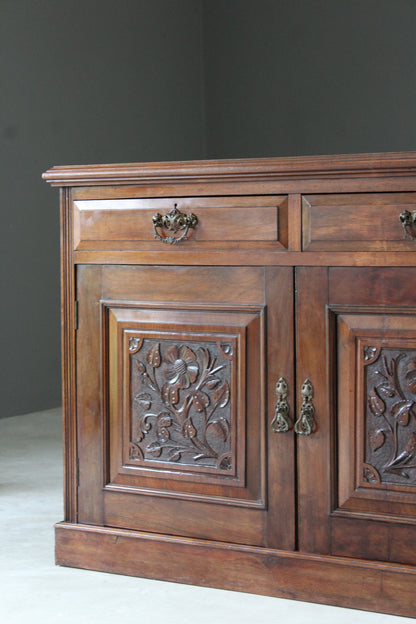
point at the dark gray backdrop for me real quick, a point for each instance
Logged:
(93, 81)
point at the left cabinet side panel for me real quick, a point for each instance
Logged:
(68, 358)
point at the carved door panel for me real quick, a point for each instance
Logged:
(178, 442)
(365, 432)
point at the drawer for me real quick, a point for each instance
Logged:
(356, 222)
(117, 224)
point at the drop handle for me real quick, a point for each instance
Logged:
(408, 220)
(174, 221)
(280, 422)
(306, 422)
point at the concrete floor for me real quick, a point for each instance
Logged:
(34, 590)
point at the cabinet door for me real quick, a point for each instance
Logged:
(357, 470)
(175, 400)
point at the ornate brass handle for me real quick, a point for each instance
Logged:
(174, 221)
(280, 422)
(305, 424)
(408, 220)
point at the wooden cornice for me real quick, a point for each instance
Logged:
(256, 169)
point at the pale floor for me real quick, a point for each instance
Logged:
(33, 590)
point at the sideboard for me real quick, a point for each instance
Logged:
(239, 375)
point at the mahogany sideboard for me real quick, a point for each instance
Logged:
(239, 375)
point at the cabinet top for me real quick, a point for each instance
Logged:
(256, 169)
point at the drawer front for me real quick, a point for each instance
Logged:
(356, 222)
(118, 224)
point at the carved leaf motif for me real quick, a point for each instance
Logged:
(212, 383)
(401, 411)
(220, 427)
(205, 357)
(170, 394)
(144, 399)
(376, 405)
(222, 394)
(174, 455)
(154, 449)
(200, 400)
(411, 377)
(399, 462)
(153, 356)
(376, 439)
(163, 435)
(386, 390)
(164, 420)
(411, 445)
(140, 367)
(189, 430)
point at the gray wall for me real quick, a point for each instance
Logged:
(288, 77)
(82, 81)
(88, 81)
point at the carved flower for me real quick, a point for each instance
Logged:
(181, 366)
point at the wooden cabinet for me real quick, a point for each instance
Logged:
(178, 395)
(357, 471)
(239, 375)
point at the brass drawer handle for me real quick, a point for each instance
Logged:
(408, 220)
(174, 221)
(305, 424)
(280, 422)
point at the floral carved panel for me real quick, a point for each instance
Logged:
(181, 406)
(390, 439)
